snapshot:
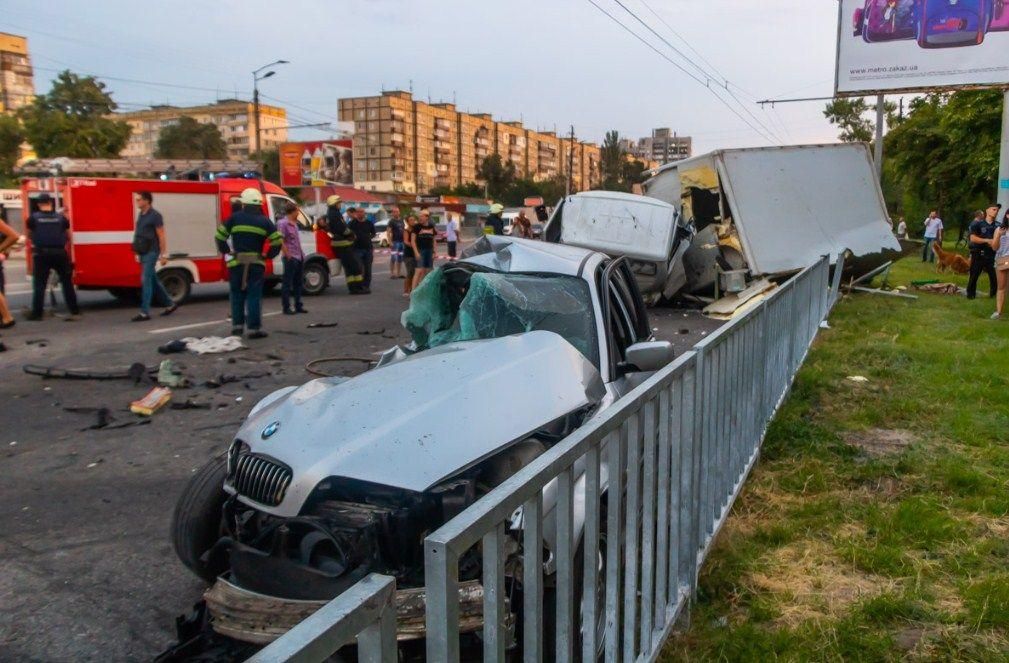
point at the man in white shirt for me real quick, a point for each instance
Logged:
(451, 236)
(933, 233)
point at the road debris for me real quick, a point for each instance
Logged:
(189, 404)
(213, 344)
(170, 375)
(369, 332)
(154, 400)
(172, 347)
(53, 372)
(224, 379)
(41, 342)
(322, 325)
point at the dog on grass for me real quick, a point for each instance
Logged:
(947, 260)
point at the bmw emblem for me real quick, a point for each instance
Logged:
(270, 430)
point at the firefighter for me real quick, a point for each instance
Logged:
(49, 234)
(249, 231)
(494, 224)
(342, 239)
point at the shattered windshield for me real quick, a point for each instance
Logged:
(458, 305)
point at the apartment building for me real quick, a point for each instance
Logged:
(233, 117)
(663, 146)
(409, 146)
(17, 88)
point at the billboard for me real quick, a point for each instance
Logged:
(914, 45)
(317, 163)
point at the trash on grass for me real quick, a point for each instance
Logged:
(152, 402)
(858, 378)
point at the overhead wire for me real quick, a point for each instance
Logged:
(681, 68)
(707, 75)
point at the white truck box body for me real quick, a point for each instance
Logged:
(791, 205)
(615, 223)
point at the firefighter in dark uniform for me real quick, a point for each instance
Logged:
(250, 231)
(342, 240)
(49, 234)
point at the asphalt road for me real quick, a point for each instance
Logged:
(86, 567)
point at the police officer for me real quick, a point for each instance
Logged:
(250, 231)
(342, 240)
(49, 234)
(982, 255)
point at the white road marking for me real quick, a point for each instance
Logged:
(202, 324)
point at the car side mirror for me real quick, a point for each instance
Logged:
(648, 356)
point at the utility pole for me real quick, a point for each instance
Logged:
(878, 157)
(1002, 195)
(571, 160)
(256, 77)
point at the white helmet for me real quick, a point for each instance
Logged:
(251, 196)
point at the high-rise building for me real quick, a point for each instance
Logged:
(233, 117)
(405, 145)
(17, 88)
(663, 146)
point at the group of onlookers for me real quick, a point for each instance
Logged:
(413, 244)
(988, 241)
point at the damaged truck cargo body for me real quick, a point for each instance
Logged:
(776, 210)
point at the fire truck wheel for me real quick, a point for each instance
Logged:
(315, 278)
(126, 295)
(177, 282)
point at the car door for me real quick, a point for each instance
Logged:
(625, 320)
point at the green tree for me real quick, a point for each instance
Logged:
(856, 118)
(269, 164)
(11, 137)
(497, 174)
(612, 159)
(189, 139)
(72, 120)
(849, 115)
(944, 155)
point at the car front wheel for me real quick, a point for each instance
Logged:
(197, 520)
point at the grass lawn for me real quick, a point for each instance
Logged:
(876, 524)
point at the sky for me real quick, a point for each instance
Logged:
(550, 63)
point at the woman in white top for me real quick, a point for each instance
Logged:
(1001, 246)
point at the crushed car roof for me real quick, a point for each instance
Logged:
(509, 254)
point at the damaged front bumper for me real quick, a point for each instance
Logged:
(258, 619)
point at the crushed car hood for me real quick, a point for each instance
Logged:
(423, 419)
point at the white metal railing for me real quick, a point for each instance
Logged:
(654, 475)
(365, 612)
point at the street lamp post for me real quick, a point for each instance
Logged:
(256, 77)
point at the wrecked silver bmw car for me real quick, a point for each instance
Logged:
(514, 347)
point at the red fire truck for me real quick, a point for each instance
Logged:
(103, 215)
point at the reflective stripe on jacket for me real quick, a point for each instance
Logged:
(249, 231)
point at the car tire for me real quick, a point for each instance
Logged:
(177, 282)
(315, 278)
(196, 521)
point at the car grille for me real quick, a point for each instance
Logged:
(261, 479)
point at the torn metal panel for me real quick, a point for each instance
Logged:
(789, 205)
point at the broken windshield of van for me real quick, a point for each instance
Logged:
(501, 304)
